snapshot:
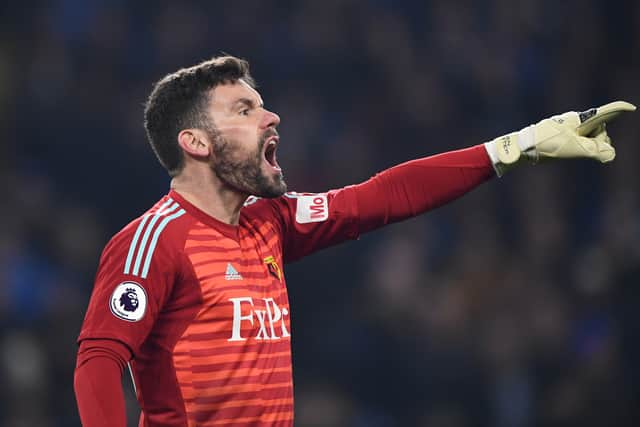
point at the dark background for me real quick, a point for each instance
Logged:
(514, 306)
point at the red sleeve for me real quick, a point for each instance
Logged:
(135, 277)
(97, 383)
(310, 222)
(420, 185)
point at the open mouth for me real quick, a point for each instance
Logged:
(270, 153)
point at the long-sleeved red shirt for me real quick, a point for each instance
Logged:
(199, 308)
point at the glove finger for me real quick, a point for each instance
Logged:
(601, 135)
(606, 152)
(597, 131)
(598, 147)
(591, 119)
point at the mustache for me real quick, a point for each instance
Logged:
(268, 134)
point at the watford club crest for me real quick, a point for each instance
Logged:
(273, 267)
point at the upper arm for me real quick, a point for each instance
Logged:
(134, 278)
(310, 222)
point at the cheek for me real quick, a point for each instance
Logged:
(234, 152)
(241, 141)
(245, 131)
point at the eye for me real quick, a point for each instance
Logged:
(244, 112)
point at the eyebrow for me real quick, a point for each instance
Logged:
(247, 102)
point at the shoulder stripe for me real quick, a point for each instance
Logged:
(138, 244)
(147, 233)
(154, 241)
(136, 236)
(132, 247)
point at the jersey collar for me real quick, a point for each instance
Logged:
(231, 231)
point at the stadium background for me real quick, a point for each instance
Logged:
(515, 306)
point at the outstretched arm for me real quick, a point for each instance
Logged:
(311, 222)
(415, 187)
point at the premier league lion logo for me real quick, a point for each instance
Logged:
(129, 300)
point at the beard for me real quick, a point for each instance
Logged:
(245, 175)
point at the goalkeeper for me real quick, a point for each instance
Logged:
(191, 295)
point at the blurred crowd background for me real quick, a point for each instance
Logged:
(515, 306)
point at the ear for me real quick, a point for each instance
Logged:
(194, 142)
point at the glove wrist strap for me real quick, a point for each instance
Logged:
(526, 138)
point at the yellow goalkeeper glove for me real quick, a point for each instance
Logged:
(569, 135)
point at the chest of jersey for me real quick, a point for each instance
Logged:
(243, 290)
(233, 361)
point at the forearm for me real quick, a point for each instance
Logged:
(414, 187)
(98, 385)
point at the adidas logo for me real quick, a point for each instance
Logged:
(232, 273)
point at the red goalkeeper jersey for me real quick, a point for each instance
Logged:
(203, 307)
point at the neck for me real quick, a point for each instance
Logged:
(205, 191)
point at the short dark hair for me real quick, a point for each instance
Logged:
(179, 101)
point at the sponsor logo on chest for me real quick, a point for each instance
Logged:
(269, 323)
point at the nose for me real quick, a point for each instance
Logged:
(270, 119)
